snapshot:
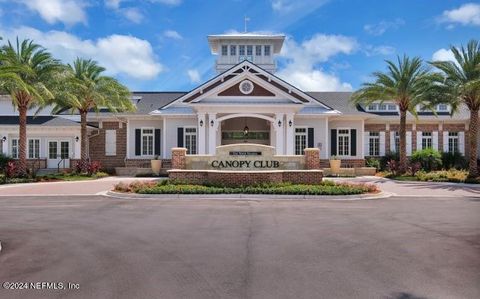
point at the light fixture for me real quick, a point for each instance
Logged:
(246, 128)
(290, 123)
(4, 138)
(212, 122)
(201, 123)
(76, 138)
(279, 123)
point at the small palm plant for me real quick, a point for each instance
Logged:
(408, 84)
(28, 74)
(86, 89)
(461, 86)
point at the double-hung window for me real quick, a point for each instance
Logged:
(249, 50)
(426, 140)
(258, 50)
(300, 140)
(14, 148)
(191, 140)
(224, 50)
(374, 144)
(33, 148)
(453, 142)
(343, 142)
(266, 50)
(233, 50)
(397, 142)
(147, 142)
(241, 50)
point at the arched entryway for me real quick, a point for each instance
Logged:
(246, 130)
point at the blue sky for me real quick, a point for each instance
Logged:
(161, 45)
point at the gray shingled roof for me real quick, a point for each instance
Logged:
(338, 100)
(41, 120)
(153, 100)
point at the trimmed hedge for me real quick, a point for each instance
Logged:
(326, 188)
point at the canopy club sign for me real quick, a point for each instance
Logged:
(245, 157)
(245, 164)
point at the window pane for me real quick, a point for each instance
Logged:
(258, 50)
(241, 50)
(267, 50)
(233, 50)
(224, 50)
(52, 150)
(249, 50)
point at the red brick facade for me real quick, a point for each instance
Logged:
(97, 146)
(312, 158)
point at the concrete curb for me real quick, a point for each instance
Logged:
(253, 197)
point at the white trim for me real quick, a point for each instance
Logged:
(185, 137)
(349, 142)
(141, 141)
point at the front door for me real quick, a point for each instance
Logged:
(58, 154)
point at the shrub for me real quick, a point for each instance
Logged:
(392, 166)
(101, 174)
(387, 158)
(429, 158)
(414, 167)
(4, 159)
(373, 162)
(454, 160)
(11, 170)
(452, 175)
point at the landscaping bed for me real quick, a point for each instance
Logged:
(60, 177)
(452, 175)
(170, 187)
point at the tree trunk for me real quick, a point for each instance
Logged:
(473, 130)
(403, 142)
(83, 142)
(22, 141)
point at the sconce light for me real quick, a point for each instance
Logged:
(77, 138)
(4, 138)
(212, 122)
(290, 123)
(201, 123)
(279, 123)
(246, 130)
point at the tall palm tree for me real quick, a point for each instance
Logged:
(407, 84)
(461, 85)
(28, 75)
(86, 89)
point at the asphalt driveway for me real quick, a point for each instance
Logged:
(113, 248)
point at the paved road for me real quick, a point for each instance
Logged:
(392, 248)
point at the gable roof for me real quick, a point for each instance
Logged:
(252, 70)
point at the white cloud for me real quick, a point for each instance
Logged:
(443, 55)
(194, 76)
(172, 34)
(115, 4)
(370, 50)
(68, 12)
(381, 27)
(132, 14)
(302, 61)
(168, 2)
(119, 54)
(292, 6)
(467, 14)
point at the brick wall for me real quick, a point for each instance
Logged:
(346, 163)
(97, 146)
(246, 178)
(312, 158)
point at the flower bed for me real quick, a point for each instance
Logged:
(168, 187)
(452, 175)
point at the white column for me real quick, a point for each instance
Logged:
(290, 134)
(201, 133)
(212, 133)
(164, 139)
(279, 133)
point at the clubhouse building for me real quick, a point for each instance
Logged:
(244, 103)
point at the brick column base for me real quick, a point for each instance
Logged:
(179, 160)
(312, 158)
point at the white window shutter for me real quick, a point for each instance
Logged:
(409, 143)
(445, 141)
(419, 140)
(435, 140)
(366, 144)
(382, 143)
(461, 142)
(110, 142)
(392, 141)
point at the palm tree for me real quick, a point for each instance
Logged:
(28, 73)
(461, 85)
(408, 83)
(86, 89)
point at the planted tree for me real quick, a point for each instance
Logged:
(461, 86)
(86, 89)
(27, 73)
(408, 84)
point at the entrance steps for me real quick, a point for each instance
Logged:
(47, 171)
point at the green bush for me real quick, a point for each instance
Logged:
(429, 158)
(387, 158)
(373, 162)
(325, 188)
(4, 159)
(101, 174)
(454, 160)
